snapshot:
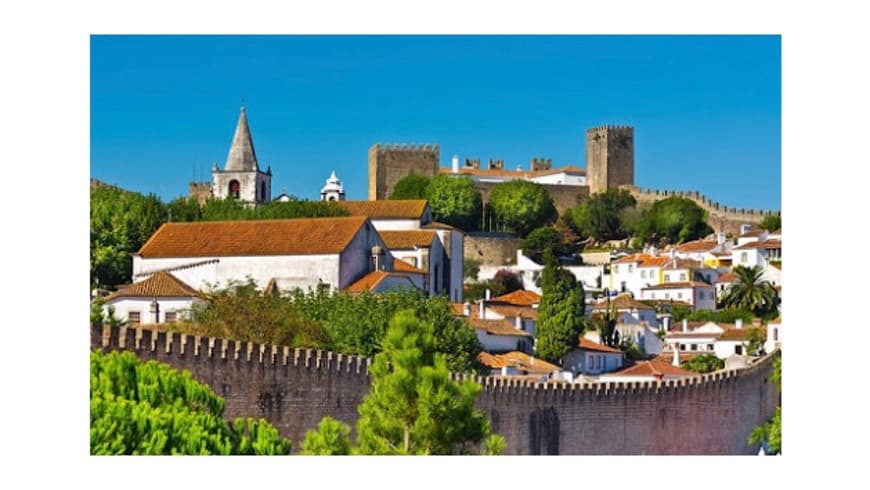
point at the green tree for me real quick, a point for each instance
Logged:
(455, 201)
(561, 314)
(414, 407)
(183, 209)
(522, 205)
(412, 186)
(771, 223)
(601, 217)
(541, 240)
(332, 437)
(671, 221)
(705, 363)
(151, 408)
(470, 269)
(750, 292)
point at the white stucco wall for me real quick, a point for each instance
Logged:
(501, 343)
(123, 307)
(725, 348)
(396, 224)
(774, 337)
(560, 178)
(643, 336)
(249, 185)
(582, 361)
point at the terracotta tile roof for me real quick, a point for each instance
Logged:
(252, 237)
(697, 246)
(400, 265)
(407, 239)
(766, 244)
(514, 174)
(521, 361)
(752, 233)
(622, 302)
(513, 311)
(388, 209)
(590, 345)
(727, 277)
(653, 368)
(160, 285)
(653, 262)
(520, 297)
(371, 280)
(778, 265)
(668, 302)
(680, 285)
(498, 327)
(629, 259)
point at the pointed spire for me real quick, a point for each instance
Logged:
(242, 156)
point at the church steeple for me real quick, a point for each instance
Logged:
(242, 157)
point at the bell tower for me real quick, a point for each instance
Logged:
(241, 177)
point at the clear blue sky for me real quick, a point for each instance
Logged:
(706, 109)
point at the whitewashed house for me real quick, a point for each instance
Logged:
(592, 358)
(721, 339)
(652, 370)
(627, 310)
(635, 272)
(329, 253)
(516, 364)
(540, 170)
(774, 335)
(699, 295)
(422, 249)
(162, 298)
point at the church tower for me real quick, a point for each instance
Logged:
(241, 177)
(333, 190)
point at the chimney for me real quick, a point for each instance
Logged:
(455, 164)
(738, 323)
(466, 309)
(720, 238)
(481, 313)
(155, 310)
(677, 354)
(756, 322)
(519, 323)
(673, 253)
(488, 294)
(685, 325)
(377, 262)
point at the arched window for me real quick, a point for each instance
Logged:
(234, 189)
(331, 198)
(262, 191)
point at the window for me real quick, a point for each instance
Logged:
(738, 349)
(694, 346)
(616, 268)
(775, 334)
(667, 278)
(667, 295)
(170, 317)
(682, 346)
(234, 189)
(643, 274)
(630, 267)
(682, 276)
(323, 287)
(134, 317)
(622, 286)
(709, 346)
(680, 295)
(744, 257)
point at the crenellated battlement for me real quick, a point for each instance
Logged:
(427, 149)
(538, 164)
(718, 213)
(295, 388)
(609, 127)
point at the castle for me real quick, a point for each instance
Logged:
(609, 165)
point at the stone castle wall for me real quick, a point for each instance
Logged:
(389, 163)
(491, 248)
(294, 388)
(564, 196)
(720, 218)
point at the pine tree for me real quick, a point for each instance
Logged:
(561, 314)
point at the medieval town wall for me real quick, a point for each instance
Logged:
(294, 388)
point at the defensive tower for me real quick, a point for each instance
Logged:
(609, 157)
(389, 163)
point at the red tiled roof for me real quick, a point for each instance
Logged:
(679, 285)
(252, 237)
(371, 280)
(622, 302)
(727, 277)
(741, 333)
(400, 265)
(498, 327)
(590, 345)
(653, 368)
(766, 244)
(513, 311)
(679, 263)
(752, 233)
(520, 360)
(159, 285)
(519, 297)
(697, 246)
(388, 209)
(407, 239)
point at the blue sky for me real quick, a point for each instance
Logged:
(706, 109)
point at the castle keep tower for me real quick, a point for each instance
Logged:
(241, 177)
(609, 157)
(389, 163)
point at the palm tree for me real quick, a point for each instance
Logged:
(750, 292)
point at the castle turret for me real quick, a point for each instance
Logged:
(609, 157)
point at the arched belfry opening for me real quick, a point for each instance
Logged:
(233, 189)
